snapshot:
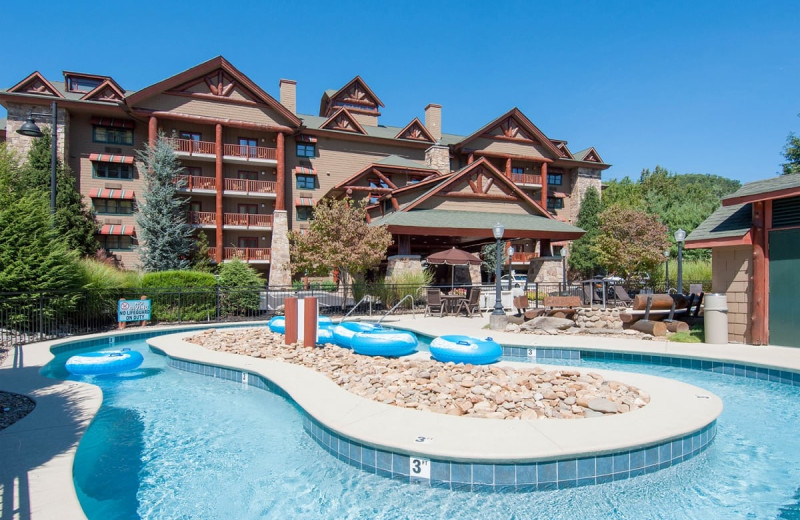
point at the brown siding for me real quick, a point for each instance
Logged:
(731, 270)
(507, 147)
(208, 108)
(473, 205)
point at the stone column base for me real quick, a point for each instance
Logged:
(498, 321)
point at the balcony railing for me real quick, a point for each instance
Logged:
(249, 152)
(248, 186)
(197, 182)
(245, 254)
(523, 257)
(247, 220)
(526, 178)
(192, 147)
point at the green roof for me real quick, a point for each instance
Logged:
(766, 186)
(473, 220)
(727, 222)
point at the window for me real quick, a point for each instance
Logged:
(247, 175)
(304, 212)
(118, 242)
(554, 203)
(247, 146)
(554, 179)
(251, 242)
(517, 169)
(103, 134)
(306, 150)
(192, 136)
(113, 207)
(196, 171)
(306, 182)
(195, 206)
(107, 170)
(83, 84)
(250, 209)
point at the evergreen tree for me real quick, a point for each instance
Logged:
(583, 258)
(792, 154)
(161, 217)
(200, 259)
(241, 286)
(72, 220)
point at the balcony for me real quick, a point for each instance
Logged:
(198, 183)
(252, 255)
(527, 180)
(523, 257)
(208, 219)
(248, 187)
(233, 153)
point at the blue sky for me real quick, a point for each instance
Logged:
(696, 87)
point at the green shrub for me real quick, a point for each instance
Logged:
(241, 286)
(181, 295)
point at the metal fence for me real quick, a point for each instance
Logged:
(36, 316)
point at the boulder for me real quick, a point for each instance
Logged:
(548, 322)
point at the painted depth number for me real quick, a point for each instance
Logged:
(419, 468)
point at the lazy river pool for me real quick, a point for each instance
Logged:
(173, 444)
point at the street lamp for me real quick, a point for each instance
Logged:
(510, 254)
(30, 129)
(666, 271)
(564, 271)
(497, 231)
(680, 236)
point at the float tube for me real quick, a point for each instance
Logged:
(343, 333)
(384, 342)
(103, 362)
(465, 349)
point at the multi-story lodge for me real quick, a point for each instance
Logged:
(254, 167)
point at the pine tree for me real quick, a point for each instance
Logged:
(73, 220)
(582, 257)
(166, 237)
(792, 154)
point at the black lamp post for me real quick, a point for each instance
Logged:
(30, 129)
(680, 236)
(497, 231)
(666, 271)
(564, 271)
(510, 255)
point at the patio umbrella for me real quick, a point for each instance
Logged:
(453, 257)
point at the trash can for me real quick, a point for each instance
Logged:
(715, 318)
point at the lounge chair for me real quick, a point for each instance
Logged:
(621, 297)
(471, 304)
(435, 304)
(590, 296)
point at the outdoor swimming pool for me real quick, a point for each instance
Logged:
(172, 444)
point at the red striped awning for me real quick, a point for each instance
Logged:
(113, 229)
(111, 158)
(305, 139)
(304, 201)
(302, 170)
(104, 193)
(113, 123)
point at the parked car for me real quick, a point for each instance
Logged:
(521, 279)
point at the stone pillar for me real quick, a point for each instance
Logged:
(544, 184)
(433, 120)
(475, 274)
(220, 187)
(583, 179)
(16, 117)
(437, 157)
(289, 94)
(399, 264)
(280, 272)
(280, 181)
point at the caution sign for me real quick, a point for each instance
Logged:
(133, 310)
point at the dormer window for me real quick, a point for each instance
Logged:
(80, 84)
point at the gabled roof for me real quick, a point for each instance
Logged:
(343, 121)
(415, 131)
(774, 188)
(588, 155)
(525, 124)
(108, 90)
(358, 91)
(728, 225)
(497, 177)
(562, 146)
(199, 73)
(389, 163)
(36, 84)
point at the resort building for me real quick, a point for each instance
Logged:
(755, 257)
(255, 167)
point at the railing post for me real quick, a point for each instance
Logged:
(179, 304)
(536, 285)
(41, 316)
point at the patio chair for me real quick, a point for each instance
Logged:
(471, 304)
(590, 296)
(435, 304)
(621, 297)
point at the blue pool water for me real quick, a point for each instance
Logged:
(171, 444)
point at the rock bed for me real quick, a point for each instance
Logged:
(14, 407)
(490, 391)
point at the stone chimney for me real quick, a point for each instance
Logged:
(289, 95)
(433, 120)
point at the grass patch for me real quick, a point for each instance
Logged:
(696, 334)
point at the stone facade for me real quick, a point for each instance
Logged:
(399, 265)
(437, 157)
(731, 271)
(608, 318)
(280, 274)
(582, 179)
(18, 114)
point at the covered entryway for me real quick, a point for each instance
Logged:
(784, 287)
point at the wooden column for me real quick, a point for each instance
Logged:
(280, 182)
(152, 131)
(758, 288)
(508, 167)
(544, 185)
(220, 187)
(403, 244)
(471, 158)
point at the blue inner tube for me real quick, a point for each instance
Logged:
(343, 333)
(465, 349)
(384, 342)
(277, 324)
(103, 362)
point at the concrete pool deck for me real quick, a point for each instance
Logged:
(37, 480)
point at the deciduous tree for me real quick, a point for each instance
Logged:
(630, 241)
(791, 151)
